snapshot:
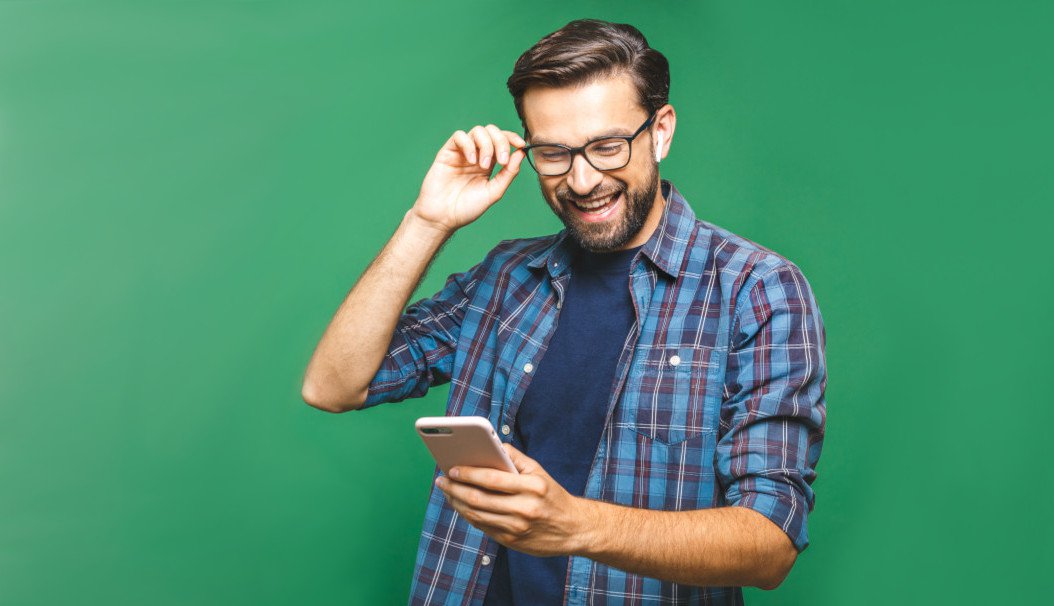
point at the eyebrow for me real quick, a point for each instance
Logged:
(619, 132)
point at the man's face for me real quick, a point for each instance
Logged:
(602, 210)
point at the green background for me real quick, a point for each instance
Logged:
(188, 190)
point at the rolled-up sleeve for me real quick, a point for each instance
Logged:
(421, 352)
(773, 414)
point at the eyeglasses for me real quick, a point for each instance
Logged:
(611, 152)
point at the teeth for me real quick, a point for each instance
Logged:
(596, 203)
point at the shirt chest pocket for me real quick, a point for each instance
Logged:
(666, 397)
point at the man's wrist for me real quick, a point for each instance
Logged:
(424, 232)
(588, 537)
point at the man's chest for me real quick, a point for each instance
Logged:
(663, 406)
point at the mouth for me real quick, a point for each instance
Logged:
(598, 209)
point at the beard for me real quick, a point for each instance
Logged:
(608, 236)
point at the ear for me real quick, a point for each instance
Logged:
(665, 124)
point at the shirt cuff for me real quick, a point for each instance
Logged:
(783, 510)
(398, 378)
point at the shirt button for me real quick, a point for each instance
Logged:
(485, 561)
(675, 360)
(528, 367)
(505, 429)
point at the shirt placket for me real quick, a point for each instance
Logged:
(520, 374)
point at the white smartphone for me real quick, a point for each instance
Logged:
(469, 441)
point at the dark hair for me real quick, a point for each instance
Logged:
(588, 49)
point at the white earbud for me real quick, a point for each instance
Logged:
(658, 150)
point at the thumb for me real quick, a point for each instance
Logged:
(496, 187)
(523, 463)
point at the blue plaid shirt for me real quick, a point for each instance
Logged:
(718, 398)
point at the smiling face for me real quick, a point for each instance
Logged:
(602, 210)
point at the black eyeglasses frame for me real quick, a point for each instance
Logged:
(574, 151)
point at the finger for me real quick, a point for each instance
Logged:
(497, 186)
(517, 140)
(501, 144)
(475, 499)
(495, 524)
(490, 479)
(484, 144)
(465, 144)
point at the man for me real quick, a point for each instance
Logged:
(657, 380)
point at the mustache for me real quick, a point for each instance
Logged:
(569, 197)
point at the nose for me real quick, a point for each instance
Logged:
(583, 178)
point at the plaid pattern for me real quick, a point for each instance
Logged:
(718, 398)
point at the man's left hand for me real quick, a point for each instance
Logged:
(528, 512)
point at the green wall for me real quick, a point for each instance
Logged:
(188, 189)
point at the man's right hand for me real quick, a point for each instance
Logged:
(458, 188)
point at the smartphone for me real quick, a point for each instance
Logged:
(468, 441)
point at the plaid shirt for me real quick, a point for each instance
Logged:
(718, 396)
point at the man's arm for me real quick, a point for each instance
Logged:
(354, 344)
(774, 419)
(774, 412)
(455, 192)
(726, 546)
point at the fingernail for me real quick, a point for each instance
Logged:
(485, 162)
(454, 473)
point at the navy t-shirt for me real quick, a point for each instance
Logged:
(562, 414)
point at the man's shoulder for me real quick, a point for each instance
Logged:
(516, 253)
(736, 268)
(736, 259)
(734, 255)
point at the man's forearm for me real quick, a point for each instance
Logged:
(354, 344)
(711, 547)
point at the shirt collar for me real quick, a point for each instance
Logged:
(556, 257)
(668, 244)
(665, 248)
